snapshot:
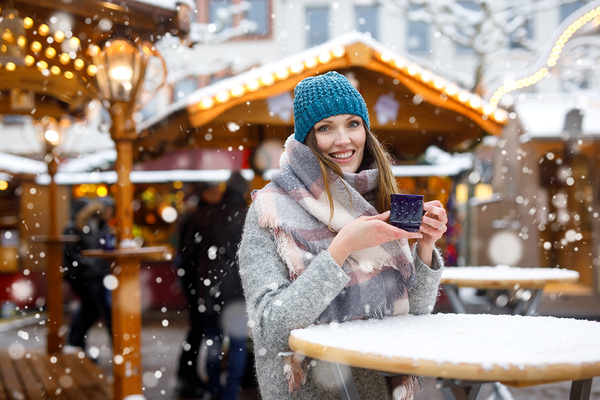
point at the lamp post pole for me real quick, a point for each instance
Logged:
(54, 276)
(126, 317)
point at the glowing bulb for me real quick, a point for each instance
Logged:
(222, 97)
(282, 73)
(386, 56)
(36, 46)
(207, 103)
(51, 136)
(253, 85)
(451, 90)
(64, 58)
(121, 73)
(439, 83)
(296, 68)
(324, 58)
(27, 23)
(267, 79)
(310, 62)
(50, 52)
(55, 70)
(238, 91)
(91, 70)
(10, 66)
(59, 36)
(463, 96)
(338, 52)
(43, 29)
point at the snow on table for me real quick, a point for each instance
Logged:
(506, 276)
(461, 346)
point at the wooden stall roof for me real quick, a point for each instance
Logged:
(57, 71)
(251, 107)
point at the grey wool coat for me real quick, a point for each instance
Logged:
(276, 306)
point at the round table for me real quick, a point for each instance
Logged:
(513, 349)
(504, 277)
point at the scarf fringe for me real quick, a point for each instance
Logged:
(405, 387)
(295, 369)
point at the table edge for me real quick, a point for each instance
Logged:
(403, 365)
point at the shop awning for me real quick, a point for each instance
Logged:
(411, 107)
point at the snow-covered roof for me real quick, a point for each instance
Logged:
(110, 177)
(543, 116)
(20, 165)
(169, 4)
(323, 54)
(80, 138)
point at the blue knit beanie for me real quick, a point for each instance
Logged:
(322, 96)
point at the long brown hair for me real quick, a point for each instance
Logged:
(374, 152)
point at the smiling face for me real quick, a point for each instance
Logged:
(341, 138)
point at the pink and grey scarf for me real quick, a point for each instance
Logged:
(295, 208)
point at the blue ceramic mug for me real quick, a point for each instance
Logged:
(407, 211)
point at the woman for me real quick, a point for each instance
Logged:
(317, 248)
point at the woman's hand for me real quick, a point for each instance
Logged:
(432, 228)
(365, 232)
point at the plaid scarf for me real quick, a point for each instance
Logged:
(294, 206)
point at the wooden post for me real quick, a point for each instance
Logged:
(53, 274)
(126, 298)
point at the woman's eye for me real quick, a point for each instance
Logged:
(353, 124)
(323, 128)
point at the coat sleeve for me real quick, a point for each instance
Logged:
(423, 295)
(275, 304)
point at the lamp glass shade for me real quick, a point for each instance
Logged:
(120, 71)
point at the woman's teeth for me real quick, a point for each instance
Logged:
(341, 156)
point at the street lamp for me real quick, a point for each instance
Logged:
(121, 68)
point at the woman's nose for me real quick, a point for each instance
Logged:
(342, 138)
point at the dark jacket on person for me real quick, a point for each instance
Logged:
(90, 229)
(211, 240)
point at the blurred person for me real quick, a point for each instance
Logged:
(85, 275)
(209, 242)
(189, 383)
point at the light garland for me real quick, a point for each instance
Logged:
(415, 71)
(38, 50)
(552, 58)
(476, 103)
(270, 78)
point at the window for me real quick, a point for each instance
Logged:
(417, 39)
(258, 13)
(317, 25)
(367, 20)
(570, 8)
(213, 10)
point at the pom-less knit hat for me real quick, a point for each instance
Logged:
(323, 96)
